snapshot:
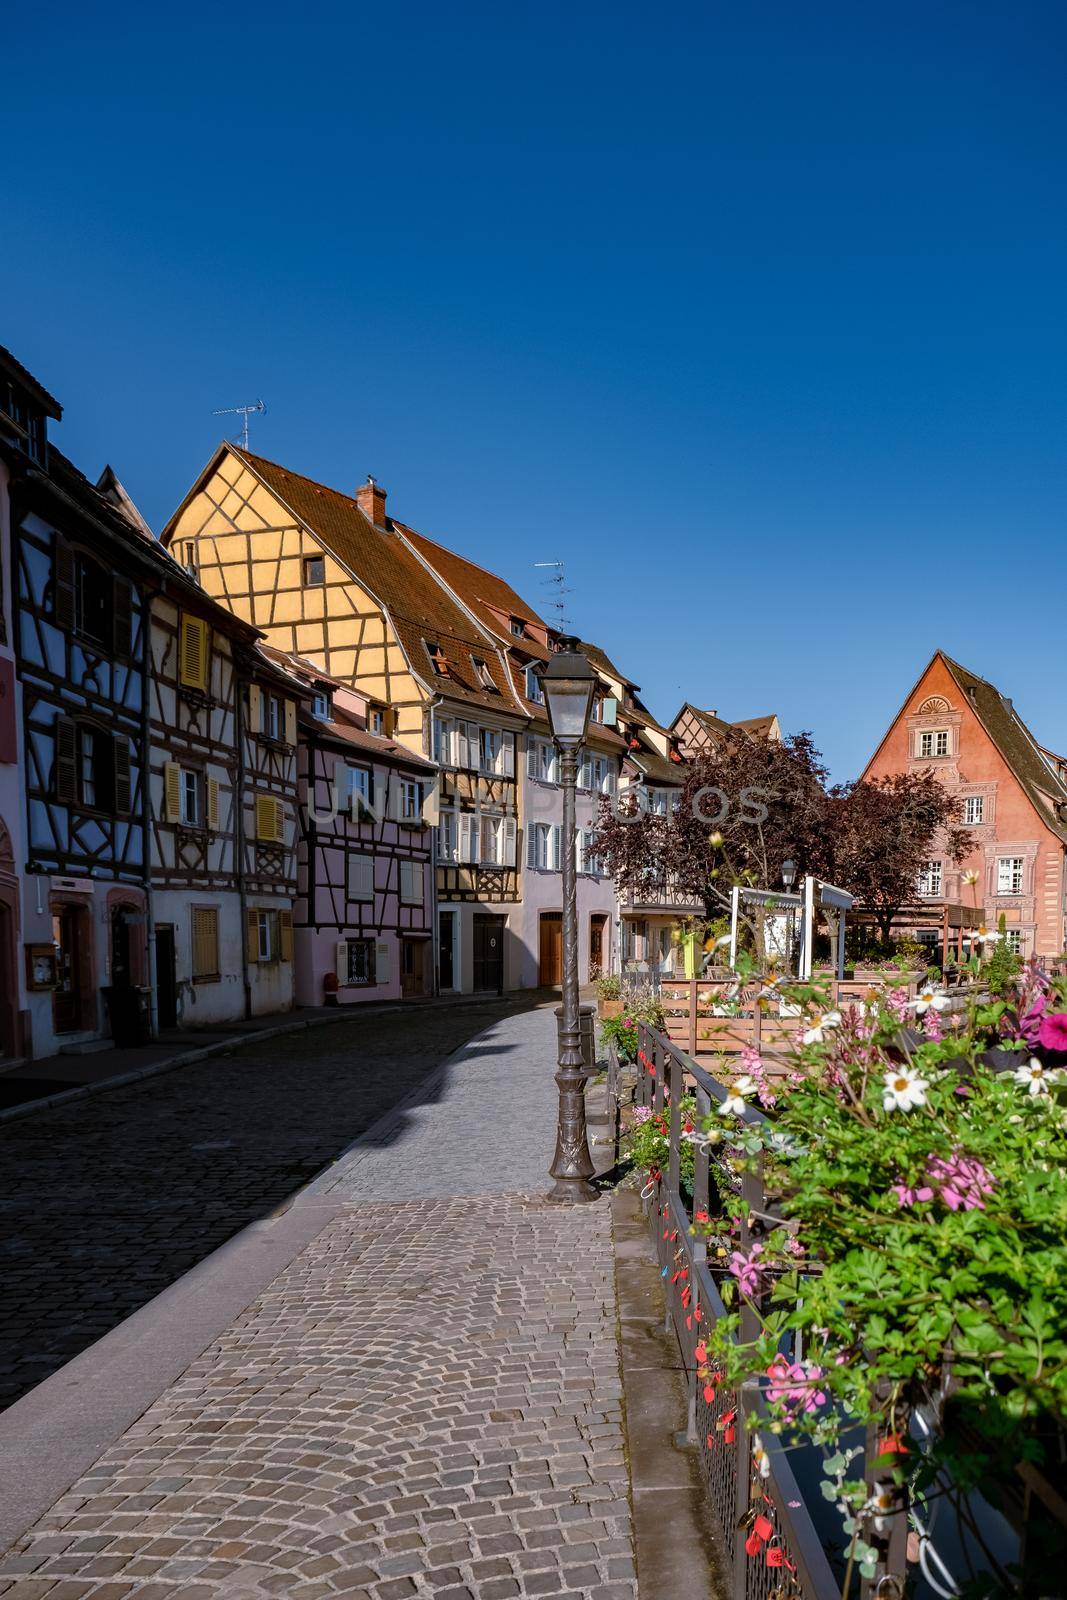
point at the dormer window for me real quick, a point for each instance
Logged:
(320, 707)
(438, 659)
(518, 627)
(27, 423)
(484, 676)
(534, 690)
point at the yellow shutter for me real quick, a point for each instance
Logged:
(254, 707)
(205, 942)
(252, 935)
(279, 822)
(172, 791)
(264, 816)
(290, 722)
(285, 922)
(213, 803)
(193, 666)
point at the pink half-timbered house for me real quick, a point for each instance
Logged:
(364, 911)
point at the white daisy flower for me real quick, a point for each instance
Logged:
(984, 935)
(734, 1104)
(904, 1089)
(930, 998)
(1035, 1077)
(821, 1023)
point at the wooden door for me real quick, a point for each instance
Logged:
(550, 973)
(412, 968)
(67, 996)
(597, 929)
(489, 953)
(446, 954)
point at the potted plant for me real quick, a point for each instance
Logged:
(609, 995)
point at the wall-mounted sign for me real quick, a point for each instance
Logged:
(40, 966)
(73, 886)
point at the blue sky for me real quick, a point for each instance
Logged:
(753, 315)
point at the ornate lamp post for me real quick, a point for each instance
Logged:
(568, 682)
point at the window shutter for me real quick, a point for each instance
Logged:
(193, 664)
(340, 960)
(510, 836)
(468, 844)
(474, 753)
(381, 962)
(462, 753)
(121, 747)
(63, 612)
(213, 803)
(255, 707)
(290, 722)
(252, 935)
(66, 759)
(122, 618)
(585, 773)
(279, 822)
(264, 816)
(556, 860)
(507, 749)
(285, 925)
(361, 877)
(172, 791)
(610, 781)
(533, 769)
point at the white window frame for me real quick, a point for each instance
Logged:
(320, 707)
(270, 716)
(358, 781)
(448, 836)
(268, 932)
(935, 737)
(410, 802)
(973, 810)
(376, 721)
(1011, 874)
(190, 797)
(1013, 938)
(930, 880)
(534, 691)
(490, 747)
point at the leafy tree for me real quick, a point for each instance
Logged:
(879, 832)
(744, 808)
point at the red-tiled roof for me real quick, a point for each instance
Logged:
(419, 607)
(488, 596)
(48, 403)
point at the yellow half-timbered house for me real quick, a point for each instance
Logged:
(326, 576)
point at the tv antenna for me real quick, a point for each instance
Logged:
(244, 412)
(557, 582)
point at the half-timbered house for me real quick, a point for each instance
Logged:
(82, 577)
(695, 731)
(328, 577)
(25, 409)
(527, 642)
(364, 912)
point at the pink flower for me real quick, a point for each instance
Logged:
(1052, 1034)
(961, 1180)
(642, 1114)
(794, 1384)
(910, 1196)
(932, 1025)
(897, 1001)
(747, 1269)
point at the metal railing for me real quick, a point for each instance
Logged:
(716, 1424)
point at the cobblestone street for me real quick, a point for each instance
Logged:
(108, 1200)
(426, 1401)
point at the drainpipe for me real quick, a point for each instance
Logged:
(146, 815)
(239, 839)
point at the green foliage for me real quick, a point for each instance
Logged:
(926, 1200)
(648, 1140)
(622, 1032)
(609, 987)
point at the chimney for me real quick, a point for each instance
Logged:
(370, 497)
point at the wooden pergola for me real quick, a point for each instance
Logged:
(951, 920)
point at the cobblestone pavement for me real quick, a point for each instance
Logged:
(425, 1402)
(108, 1200)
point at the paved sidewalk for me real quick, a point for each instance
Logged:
(425, 1401)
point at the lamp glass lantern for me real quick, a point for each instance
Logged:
(568, 682)
(789, 873)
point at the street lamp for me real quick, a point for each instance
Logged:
(568, 682)
(789, 873)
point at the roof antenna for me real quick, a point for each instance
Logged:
(557, 581)
(244, 412)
